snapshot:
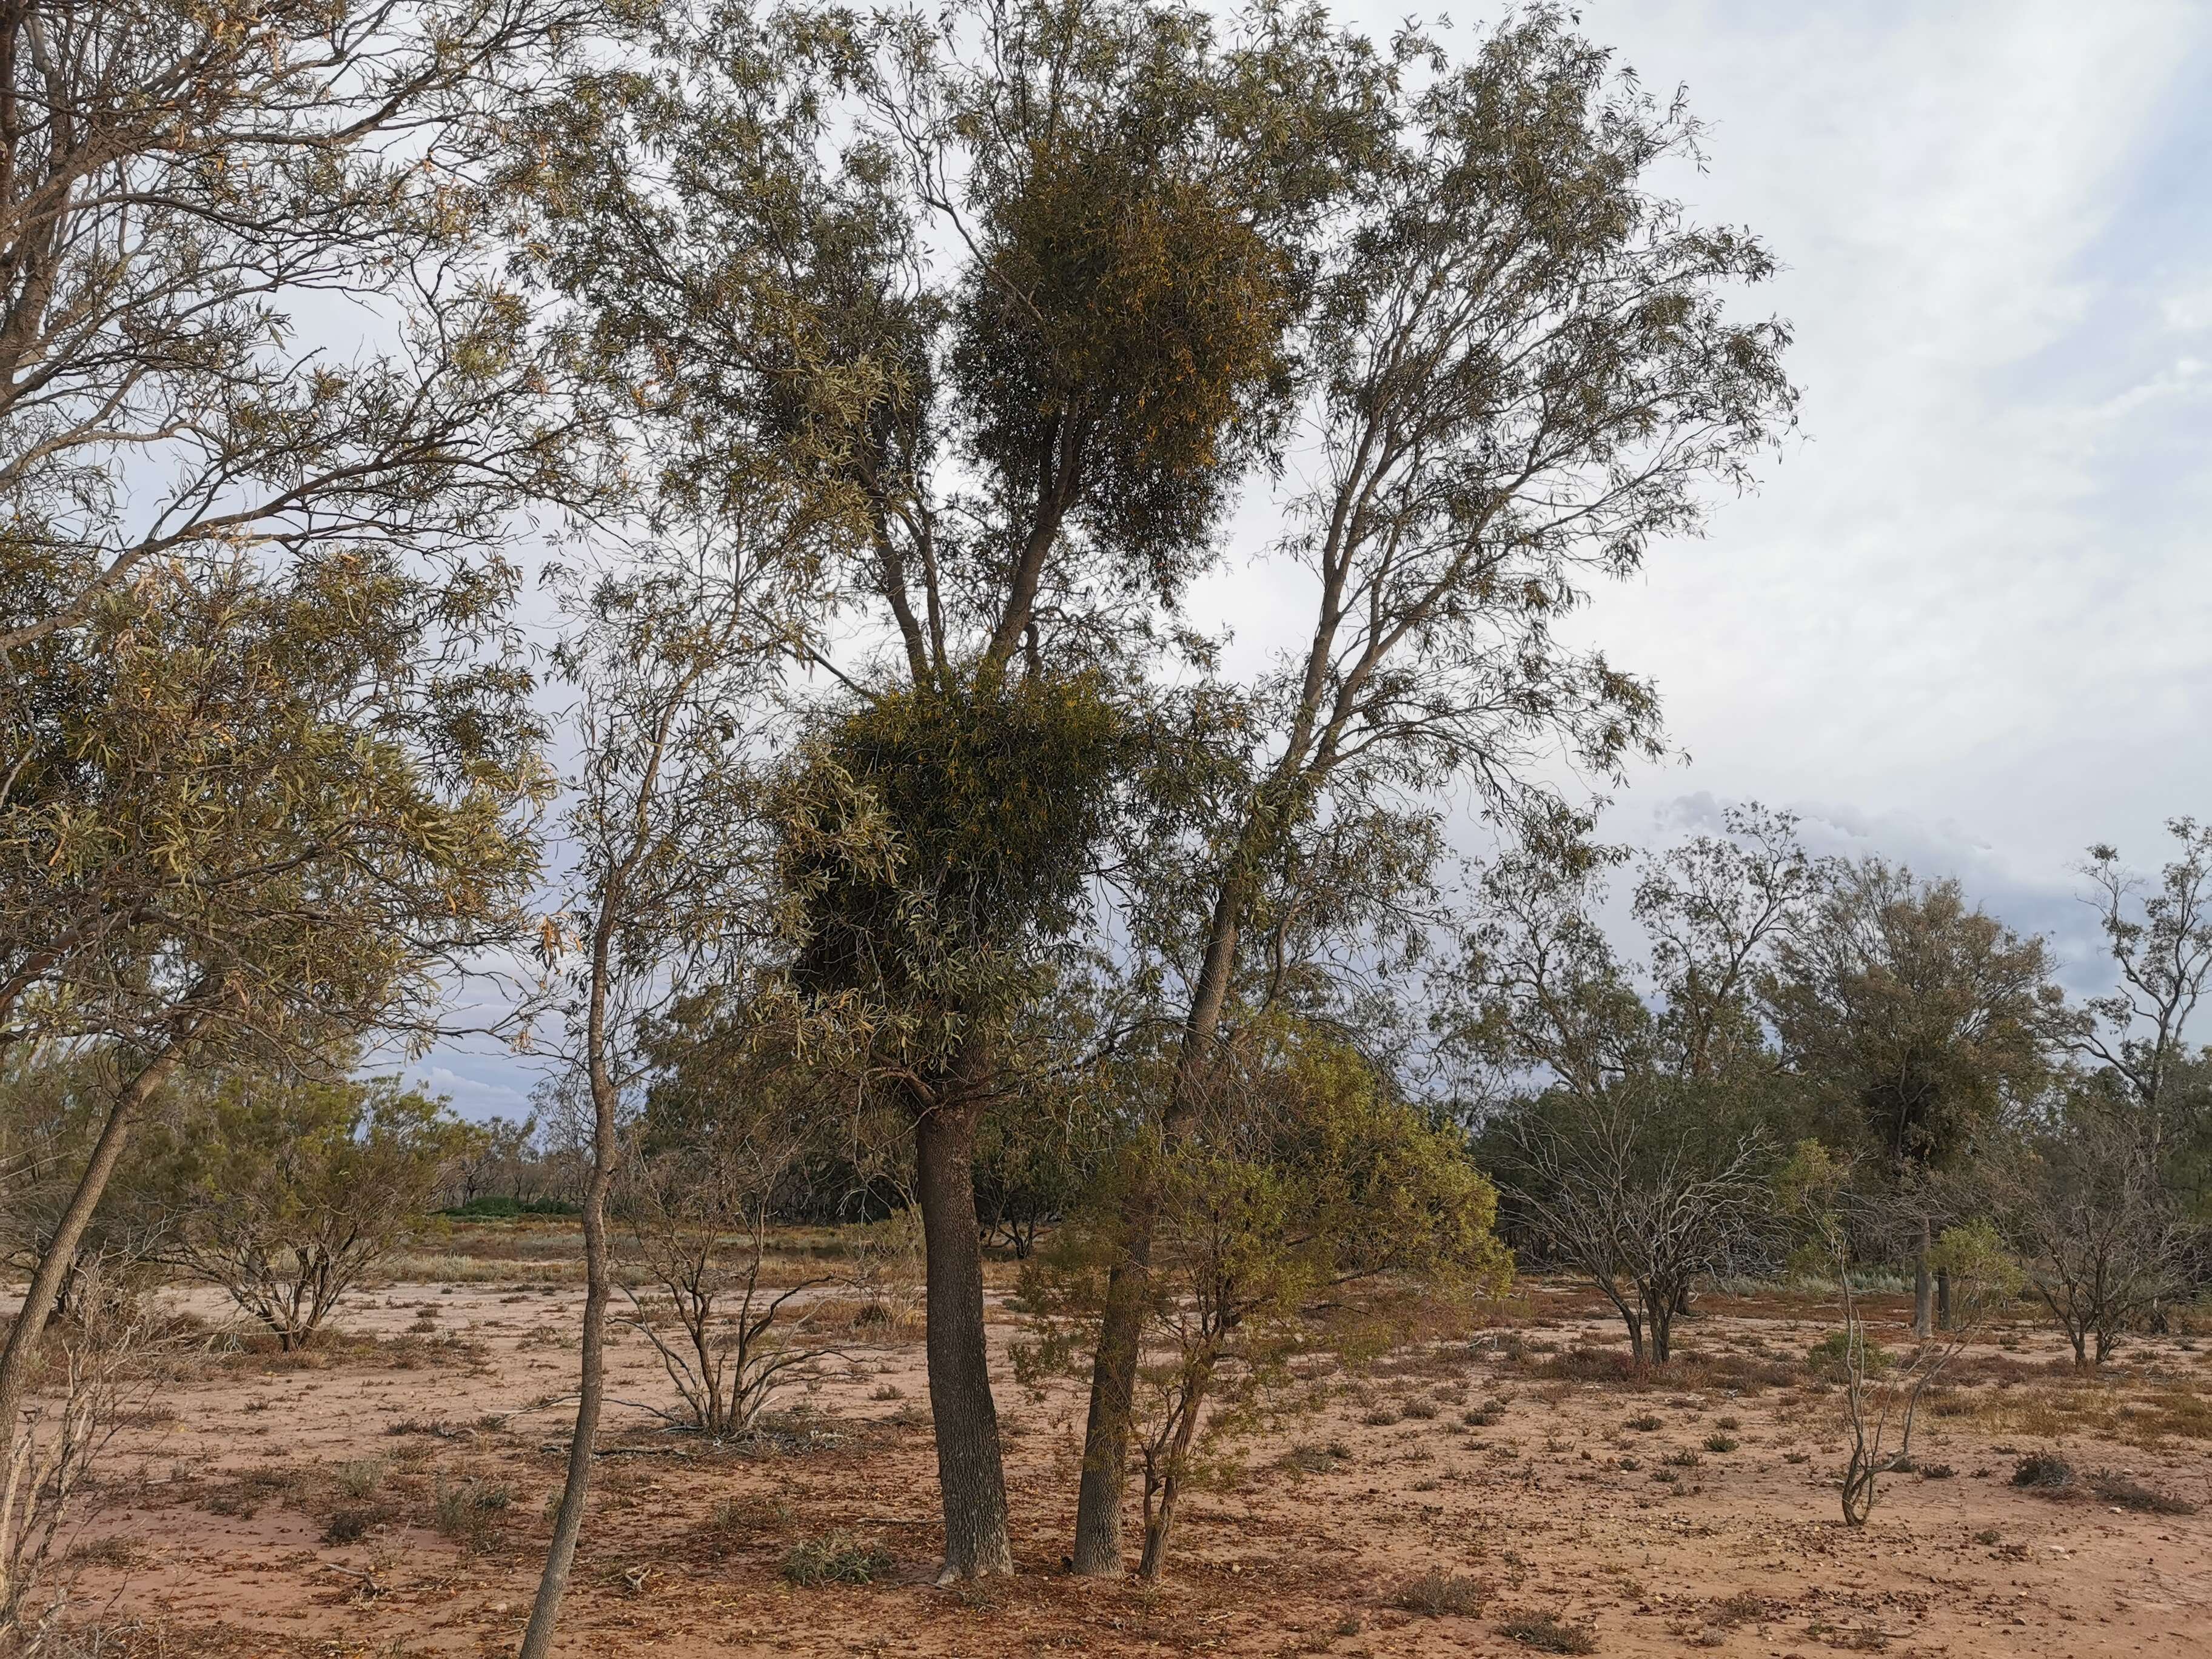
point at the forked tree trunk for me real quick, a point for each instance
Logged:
(1161, 1522)
(970, 1472)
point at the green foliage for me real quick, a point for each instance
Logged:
(936, 843)
(273, 799)
(1924, 1012)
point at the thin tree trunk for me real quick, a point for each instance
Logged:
(591, 1365)
(1943, 1298)
(970, 1472)
(1107, 1433)
(1161, 1522)
(1924, 1287)
(59, 1258)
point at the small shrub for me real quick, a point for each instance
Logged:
(2131, 1494)
(1420, 1410)
(1644, 1424)
(1547, 1633)
(464, 1514)
(1796, 1457)
(1741, 1608)
(350, 1526)
(2042, 1471)
(1382, 1417)
(358, 1479)
(104, 1553)
(1440, 1593)
(1826, 1358)
(1722, 1442)
(1309, 1460)
(1936, 1471)
(1684, 1459)
(1728, 1422)
(836, 1559)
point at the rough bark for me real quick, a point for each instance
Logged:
(970, 1474)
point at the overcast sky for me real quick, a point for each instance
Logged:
(1967, 622)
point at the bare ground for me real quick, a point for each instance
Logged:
(388, 1495)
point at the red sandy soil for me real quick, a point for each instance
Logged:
(210, 1537)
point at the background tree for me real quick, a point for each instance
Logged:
(1640, 1112)
(497, 1163)
(286, 1191)
(2159, 937)
(2079, 1196)
(1520, 371)
(1922, 1013)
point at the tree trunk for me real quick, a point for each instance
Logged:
(59, 1260)
(1161, 1522)
(1107, 1434)
(1943, 1298)
(970, 1474)
(1924, 1288)
(1660, 1312)
(590, 1388)
(599, 1284)
(1107, 1430)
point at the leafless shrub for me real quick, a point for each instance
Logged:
(95, 1365)
(698, 1211)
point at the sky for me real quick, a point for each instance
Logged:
(1965, 621)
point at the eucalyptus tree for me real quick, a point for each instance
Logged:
(2160, 938)
(1517, 373)
(1636, 1112)
(1012, 284)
